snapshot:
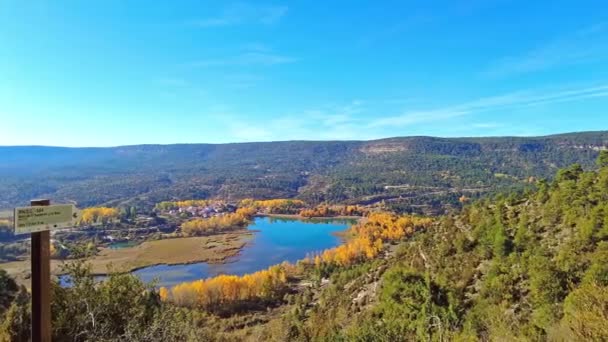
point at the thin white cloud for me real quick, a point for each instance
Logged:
(486, 125)
(411, 118)
(587, 45)
(354, 120)
(263, 58)
(336, 119)
(245, 59)
(513, 100)
(244, 132)
(243, 13)
(330, 122)
(331, 115)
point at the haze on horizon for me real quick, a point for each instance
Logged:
(110, 73)
(566, 133)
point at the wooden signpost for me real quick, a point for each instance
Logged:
(39, 220)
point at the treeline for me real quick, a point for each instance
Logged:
(228, 221)
(98, 215)
(225, 290)
(299, 207)
(334, 210)
(367, 239)
(274, 206)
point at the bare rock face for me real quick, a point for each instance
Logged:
(383, 147)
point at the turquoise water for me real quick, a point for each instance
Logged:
(275, 241)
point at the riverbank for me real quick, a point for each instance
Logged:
(213, 249)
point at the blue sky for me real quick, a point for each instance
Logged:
(105, 73)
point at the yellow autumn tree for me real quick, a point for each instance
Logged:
(366, 241)
(246, 212)
(163, 293)
(334, 210)
(225, 289)
(98, 215)
(367, 238)
(199, 226)
(274, 206)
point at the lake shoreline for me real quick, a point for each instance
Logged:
(213, 249)
(233, 243)
(304, 218)
(223, 260)
(277, 240)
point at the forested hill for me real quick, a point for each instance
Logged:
(517, 267)
(408, 172)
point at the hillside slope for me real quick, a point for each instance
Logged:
(407, 172)
(527, 267)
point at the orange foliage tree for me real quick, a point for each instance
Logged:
(367, 238)
(228, 289)
(163, 293)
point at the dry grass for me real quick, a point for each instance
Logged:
(212, 249)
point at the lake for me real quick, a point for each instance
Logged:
(275, 240)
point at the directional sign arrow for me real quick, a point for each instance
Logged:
(36, 218)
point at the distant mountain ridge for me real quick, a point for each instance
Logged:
(410, 172)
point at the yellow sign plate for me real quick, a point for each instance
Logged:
(35, 219)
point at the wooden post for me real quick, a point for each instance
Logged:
(41, 282)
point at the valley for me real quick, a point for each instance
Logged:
(301, 171)
(195, 238)
(531, 257)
